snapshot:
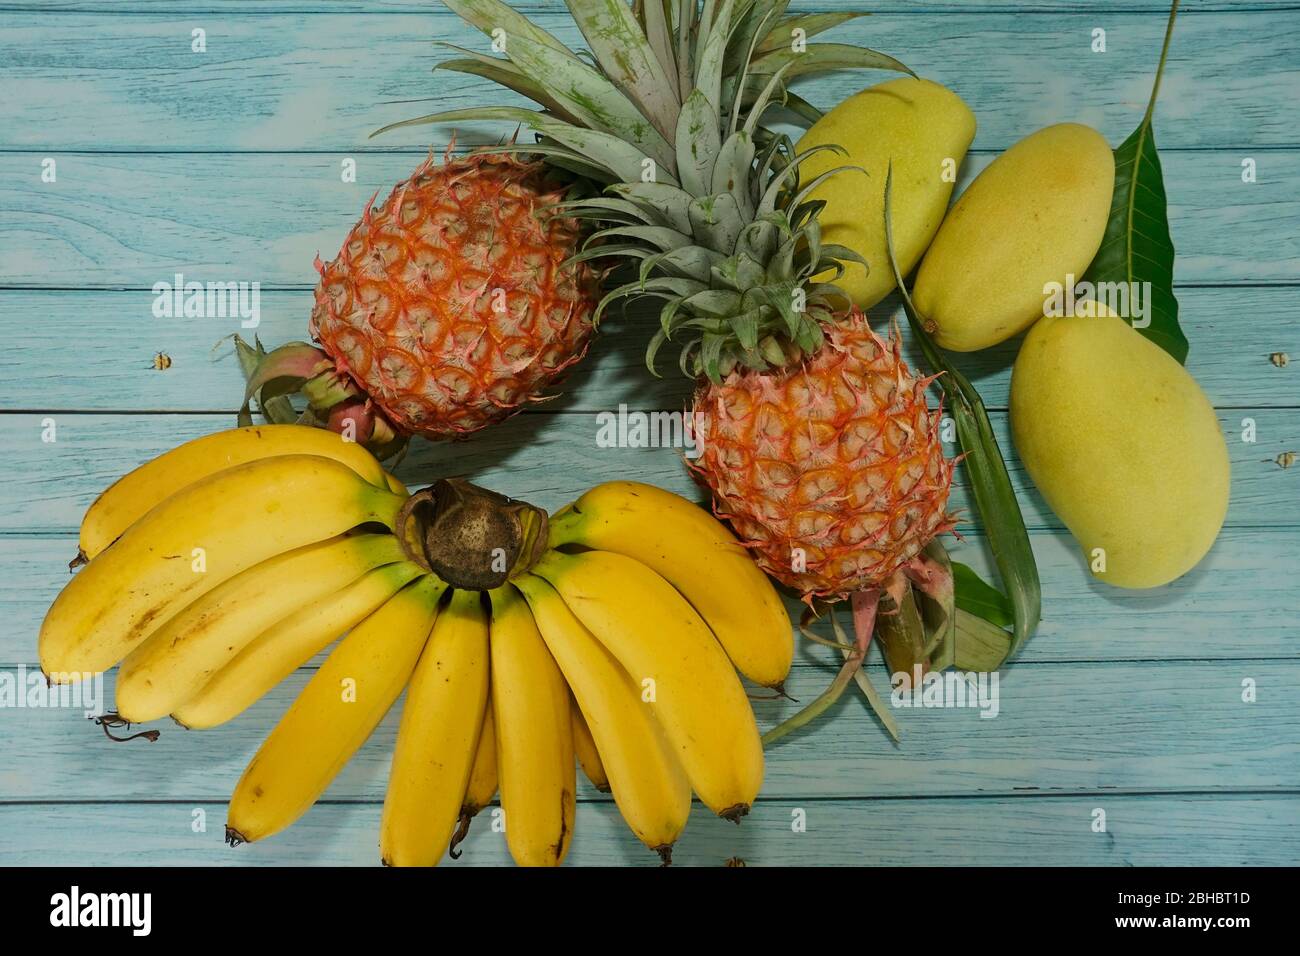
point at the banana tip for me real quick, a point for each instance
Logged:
(234, 837)
(665, 854)
(734, 813)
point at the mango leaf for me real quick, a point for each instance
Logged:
(991, 484)
(981, 646)
(1137, 250)
(978, 597)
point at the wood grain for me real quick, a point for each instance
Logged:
(1233, 331)
(325, 82)
(1227, 831)
(1119, 725)
(133, 220)
(544, 458)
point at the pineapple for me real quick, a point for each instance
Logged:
(831, 470)
(818, 443)
(450, 307)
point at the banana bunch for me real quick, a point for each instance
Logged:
(218, 569)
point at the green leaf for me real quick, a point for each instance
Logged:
(698, 141)
(981, 646)
(659, 34)
(732, 170)
(661, 237)
(802, 109)
(588, 146)
(994, 496)
(559, 156)
(708, 72)
(716, 222)
(503, 73)
(752, 25)
(825, 57)
(685, 25)
(492, 15)
(628, 59)
(976, 596)
(1137, 248)
(671, 203)
(586, 94)
(901, 635)
(781, 35)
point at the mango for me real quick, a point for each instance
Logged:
(1034, 216)
(925, 130)
(1123, 445)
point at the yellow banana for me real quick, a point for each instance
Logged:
(483, 776)
(647, 780)
(437, 739)
(671, 654)
(288, 644)
(482, 785)
(129, 498)
(203, 535)
(334, 715)
(182, 655)
(395, 485)
(584, 745)
(534, 736)
(697, 555)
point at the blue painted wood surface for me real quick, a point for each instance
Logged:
(225, 166)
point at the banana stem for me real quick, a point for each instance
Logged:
(462, 831)
(111, 720)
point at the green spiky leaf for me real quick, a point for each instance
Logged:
(630, 62)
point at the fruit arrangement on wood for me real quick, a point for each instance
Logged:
(610, 634)
(627, 616)
(816, 439)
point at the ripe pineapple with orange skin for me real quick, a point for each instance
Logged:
(450, 307)
(832, 470)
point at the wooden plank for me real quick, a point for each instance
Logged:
(1197, 830)
(119, 221)
(1241, 604)
(1232, 330)
(102, 82)
(545, 458)
(530, 7)
(1123, 726)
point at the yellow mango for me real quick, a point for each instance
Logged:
(1034, 216)
(1123, 445)
(925, 130)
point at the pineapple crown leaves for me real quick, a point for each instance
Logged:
(694, 194)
